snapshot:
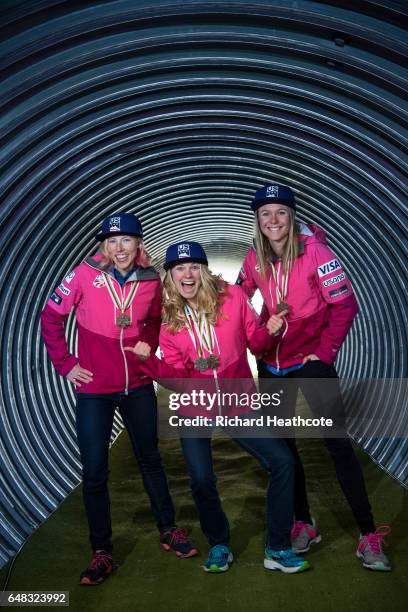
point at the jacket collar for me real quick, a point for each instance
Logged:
(138, 274)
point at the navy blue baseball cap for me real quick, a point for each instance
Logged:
(273, 194)
(184, 252)
(120, 224)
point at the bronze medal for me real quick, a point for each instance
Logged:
(120, 302)
(201, 364)
(123, 320)
(213, 362)
(283, 306)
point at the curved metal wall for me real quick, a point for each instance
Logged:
(178, 111)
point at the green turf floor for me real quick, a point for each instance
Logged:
(148, 579)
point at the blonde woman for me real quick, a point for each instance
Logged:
(300, 276)
(207, 326)
(117, 299)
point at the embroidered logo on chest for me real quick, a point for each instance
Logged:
(99, 281)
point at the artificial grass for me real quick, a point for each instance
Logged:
(148, 579)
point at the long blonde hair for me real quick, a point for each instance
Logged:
(142, 258)
(210, 297)
(265, 252)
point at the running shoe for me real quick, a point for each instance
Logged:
(99, 569)
(286, 561)
(175, 539)
(370, 551)
(303, 535)
(219, 559)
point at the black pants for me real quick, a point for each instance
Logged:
(323, 400)
(94, 420)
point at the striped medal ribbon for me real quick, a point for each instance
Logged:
(121, 303)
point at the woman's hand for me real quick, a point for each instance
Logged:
(275, 322)
(311, 357)
(79, 375)
(141, 350)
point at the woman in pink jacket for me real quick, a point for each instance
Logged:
(116, 296)
(300, 277)
(207, 327)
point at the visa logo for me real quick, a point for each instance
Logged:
(328, 267)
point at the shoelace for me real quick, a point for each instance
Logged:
(289, 555)
(297, 528)
(217, 554)
(179, 535)
(376, 540)
(100, 559)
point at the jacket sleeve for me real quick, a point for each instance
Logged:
(170, 370)
(258, 339)
(341, 316)
(336, 290)
(64, 297)
(245, 278)
(153, 320)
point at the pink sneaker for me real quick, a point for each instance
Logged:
(303, 535)
(370, 551)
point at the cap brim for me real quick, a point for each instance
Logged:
(101, 237)
(170, 264)
(259, 203)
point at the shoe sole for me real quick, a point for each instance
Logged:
(192, 553)
(88, 582)
(215, 569)
(315, 540)
(270, 564)
(374, 568)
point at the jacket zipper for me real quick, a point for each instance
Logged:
(126, 366)
(217, 387)
(278, 345)
(122, 349)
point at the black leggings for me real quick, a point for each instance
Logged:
(323, 400)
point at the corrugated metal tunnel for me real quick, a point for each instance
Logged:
(178, 111)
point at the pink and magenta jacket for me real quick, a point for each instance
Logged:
(238, 328)
(320, 296)
(100, 340)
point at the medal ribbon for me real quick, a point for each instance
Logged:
(121, 303)
(204, 332)
(283, 289)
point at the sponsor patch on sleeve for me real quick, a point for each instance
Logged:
(328, 267)
(64, 289)
(56, 298)
(343, 290)
(333, 281)
(69, 277)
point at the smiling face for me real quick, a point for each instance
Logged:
(274, 222)
(122, 251)
(187, 279)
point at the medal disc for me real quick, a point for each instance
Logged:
(283, 306)
(201, 364)
(213, 362)
(122, 320)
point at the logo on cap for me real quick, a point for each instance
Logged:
(114, 224)
(183, 250)
(272, 191)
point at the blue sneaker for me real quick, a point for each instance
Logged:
(219, 558)
(285, 560)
